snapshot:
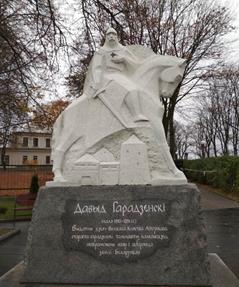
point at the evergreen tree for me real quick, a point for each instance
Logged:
(34, 184)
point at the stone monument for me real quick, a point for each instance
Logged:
(118, 212)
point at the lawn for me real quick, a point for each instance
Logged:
(4, 231)
(7, 205)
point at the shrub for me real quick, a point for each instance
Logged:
(34, 184)
(221, 172)
(3, 210)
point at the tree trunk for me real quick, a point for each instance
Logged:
(3, 153)
(172, 144)
(165, 117)
(208, 151)
(168, 121)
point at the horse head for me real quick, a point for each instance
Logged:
(170, 76)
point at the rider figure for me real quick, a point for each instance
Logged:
(115, 63)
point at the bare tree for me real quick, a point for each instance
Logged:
(30, 38)
(13, 112)
(204, 134)
(217, 117)
(224, 93)
(183, 139)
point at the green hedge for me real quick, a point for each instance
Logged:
(221, 172)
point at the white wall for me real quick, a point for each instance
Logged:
(16, 157)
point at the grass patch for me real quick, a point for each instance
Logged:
(7, 205)
(4, 231)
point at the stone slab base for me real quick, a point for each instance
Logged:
(221, 276)
(118, 235)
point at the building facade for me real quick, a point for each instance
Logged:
(29, 148)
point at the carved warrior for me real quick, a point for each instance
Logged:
(113, 133)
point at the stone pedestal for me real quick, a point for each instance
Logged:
(117, 235)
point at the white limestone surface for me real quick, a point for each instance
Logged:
(134, 167)
(120, 109)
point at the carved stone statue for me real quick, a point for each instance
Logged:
(113, 133)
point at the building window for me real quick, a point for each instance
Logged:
(48, 142)
(7, 159)
(25, 141)
(35, 142)
(24, 159)
(35, 159)
(48, 159)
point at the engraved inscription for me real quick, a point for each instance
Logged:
(117, 231)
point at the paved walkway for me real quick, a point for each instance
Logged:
(211, 200)
(12, 249)
(222, 223)
(223, 232)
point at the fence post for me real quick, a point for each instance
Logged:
(14, 211)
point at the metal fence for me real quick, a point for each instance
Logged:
(15, 182)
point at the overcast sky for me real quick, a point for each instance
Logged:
(232, 53)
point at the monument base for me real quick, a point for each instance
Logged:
(117, 235)
(220, 274)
